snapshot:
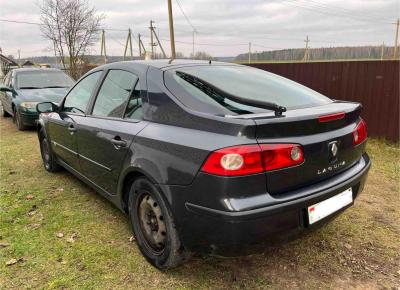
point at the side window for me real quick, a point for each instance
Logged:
(134, 109)
(78, 98)
(114, 94)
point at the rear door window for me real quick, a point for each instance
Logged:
(134, 108)
(114, 94)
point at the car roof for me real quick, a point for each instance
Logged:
(164, 64)
(33, 69)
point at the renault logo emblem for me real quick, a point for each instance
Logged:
(334, 149)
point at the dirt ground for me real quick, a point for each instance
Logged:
(57, 233)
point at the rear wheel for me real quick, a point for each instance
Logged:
(18, 122)
(154, 227)
(48, 158)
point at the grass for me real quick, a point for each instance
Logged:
(360, 249)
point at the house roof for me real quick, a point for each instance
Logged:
(28, 62)
(7, 60)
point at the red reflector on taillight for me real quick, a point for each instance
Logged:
(277, 156)
(235, 161)
(331, 117)
(360, 133)
(251, 159)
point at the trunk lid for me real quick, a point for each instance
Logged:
(302, 126)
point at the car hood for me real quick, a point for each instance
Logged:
(42, 95)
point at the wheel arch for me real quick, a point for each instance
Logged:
(129, 176)
(39, 126)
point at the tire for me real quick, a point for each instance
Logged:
(154, 227)
(48, 157)
(18, 122)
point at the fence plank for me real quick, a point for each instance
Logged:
(375, 84)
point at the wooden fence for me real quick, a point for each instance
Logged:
(375, 84)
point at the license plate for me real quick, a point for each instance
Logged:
(326, 207)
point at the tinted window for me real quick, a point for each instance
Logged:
(43, 79)
(114, 94)
(247, 83)
(134, 109)
(78, 98)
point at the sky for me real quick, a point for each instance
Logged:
(224, 27)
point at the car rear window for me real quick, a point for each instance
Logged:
(241, 81)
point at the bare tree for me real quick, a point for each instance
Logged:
(72, 26)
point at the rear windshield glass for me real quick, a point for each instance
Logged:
(43, 79)
(244, 82)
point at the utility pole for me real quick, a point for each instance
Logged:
(19, 57)
(128, 43)
(103, 46)
(171, 30)
(382, 49)
(306, 52)
(159, 43)
(194, 33)
(396, 38)
(152, 44)
(249, 52)
(141, 46)
(153, 33)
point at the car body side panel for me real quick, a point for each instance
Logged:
(174, 155)
(63, 142)
(100, 160)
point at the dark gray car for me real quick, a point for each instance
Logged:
(207, 157)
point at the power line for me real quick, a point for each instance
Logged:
(322, 10)
(349, 11)
(22, 22)
(184, 14)
(41, 24)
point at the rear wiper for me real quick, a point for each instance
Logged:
(53, 87)
(211, 90)
(29, 88)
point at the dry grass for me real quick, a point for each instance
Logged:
(360, 249)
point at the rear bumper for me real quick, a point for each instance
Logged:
(261, 218)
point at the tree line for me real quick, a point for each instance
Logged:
(323, 53)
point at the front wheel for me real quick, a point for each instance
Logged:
(18, 122)
(48, 158)
(154, 227)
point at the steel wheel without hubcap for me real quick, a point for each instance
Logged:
(46, 153)
(152, 224)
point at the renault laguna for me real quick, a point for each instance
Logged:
(207, 157)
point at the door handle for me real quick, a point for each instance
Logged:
(118, 142)
(71, 129)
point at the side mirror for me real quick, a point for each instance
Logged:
(46, 107)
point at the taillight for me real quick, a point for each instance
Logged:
(277, 156)
(251, 159)
(360, 133)
(234, 161)
(331, 117)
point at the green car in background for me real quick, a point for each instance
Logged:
(23, 88)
